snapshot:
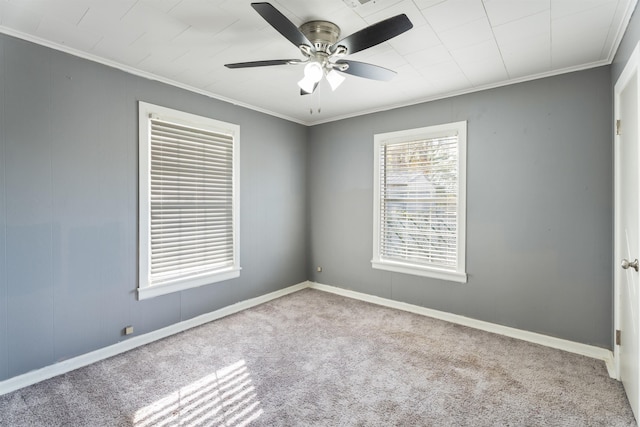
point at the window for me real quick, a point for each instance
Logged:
(419, 201)
(188, 199)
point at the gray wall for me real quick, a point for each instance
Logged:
(539, 214)
(68, 207)
(539, 206)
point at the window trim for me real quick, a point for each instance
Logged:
(379, 262)
(145, 288)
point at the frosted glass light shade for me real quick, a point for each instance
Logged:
(312, 74)
(313, 71)
(306, 85)
(335, 79)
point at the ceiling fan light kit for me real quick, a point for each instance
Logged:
(319, 42)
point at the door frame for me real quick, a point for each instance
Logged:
(631, 69)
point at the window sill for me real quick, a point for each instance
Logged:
(163, 289)
(435, 273)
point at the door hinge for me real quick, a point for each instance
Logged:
(618, 126)
(618, 337)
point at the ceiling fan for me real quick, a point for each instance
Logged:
(318, 42)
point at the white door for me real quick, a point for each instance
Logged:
(627, 230)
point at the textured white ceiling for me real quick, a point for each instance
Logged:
(456, 46)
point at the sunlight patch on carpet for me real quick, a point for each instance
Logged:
(225, 397)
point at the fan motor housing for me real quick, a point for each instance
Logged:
(323, 34)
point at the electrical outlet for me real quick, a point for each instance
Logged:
(319, 269)
(128, 330)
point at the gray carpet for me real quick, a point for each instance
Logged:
(313, 358)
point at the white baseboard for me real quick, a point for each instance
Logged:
(570, 346)
(68, 365)
(60, 368)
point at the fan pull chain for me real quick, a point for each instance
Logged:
(317, 97)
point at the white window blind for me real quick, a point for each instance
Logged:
(190, 207)
(419, 201)
(419, 207)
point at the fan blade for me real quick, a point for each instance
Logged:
(261, 63)
(304, 92)
(280, 22)
(375, 34)
(368, 71)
